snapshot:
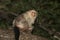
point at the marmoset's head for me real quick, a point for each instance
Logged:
(32, 13)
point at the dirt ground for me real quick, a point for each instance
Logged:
(9, 35)
(6, 34)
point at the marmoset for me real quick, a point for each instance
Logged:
(24, 21)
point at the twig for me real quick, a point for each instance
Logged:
(53, 32)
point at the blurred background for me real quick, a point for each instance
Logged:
(47, 23)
